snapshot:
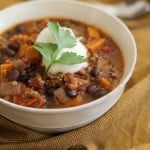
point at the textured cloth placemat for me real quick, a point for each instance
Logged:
(124, 126)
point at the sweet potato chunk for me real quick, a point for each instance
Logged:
(23, 38)
(73, 102)
(92, 32)
(30, 54)
(4, 70)
(105, 83)
(95, 44)
(21, 52)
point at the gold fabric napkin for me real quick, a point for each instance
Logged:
(125, 126)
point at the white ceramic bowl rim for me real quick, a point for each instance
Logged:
(89, 104)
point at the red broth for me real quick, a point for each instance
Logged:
(23, 80)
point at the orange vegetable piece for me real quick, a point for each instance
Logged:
(23, 38)
(73, 102)
(105, 83)
(32, 55)
(21, 52)
(94, 44)
(28, 52)
(7, 67)
(4, 70)
(93, 32)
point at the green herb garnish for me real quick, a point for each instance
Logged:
(64, 39)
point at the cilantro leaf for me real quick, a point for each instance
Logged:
(63, 36)
(46, 49)
(70, 58)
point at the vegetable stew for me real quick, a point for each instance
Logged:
(23, 77)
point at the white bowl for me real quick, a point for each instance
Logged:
(63, 119)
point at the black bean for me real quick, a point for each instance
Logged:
(13, 75)
(71, 93)
(41, 70)
(32, 68)
(23, 78)
(14, 46)
(92, 88)
(27, 74)
(20, 28)
(99, 93)
(50, 91)
(95, 71)
(10, 52)
(31, 74)
(31, 71)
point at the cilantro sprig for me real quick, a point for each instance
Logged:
(64, 39)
